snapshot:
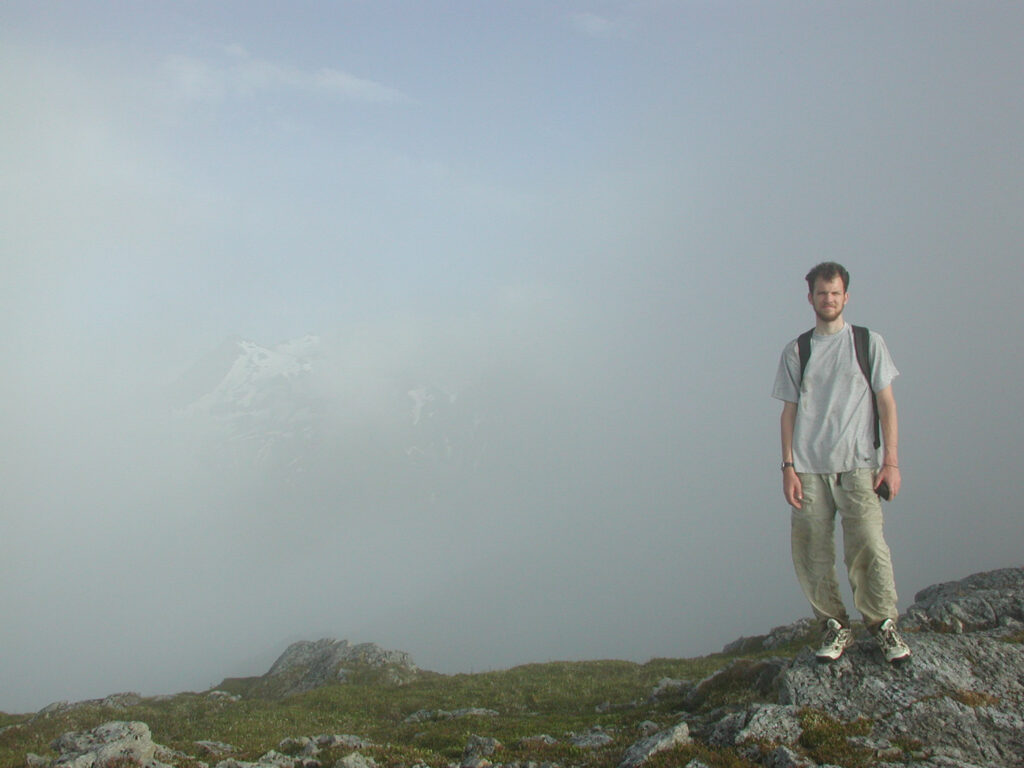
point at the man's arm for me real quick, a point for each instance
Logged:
(792, 488)
(890, 471)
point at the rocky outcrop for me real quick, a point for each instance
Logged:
(958, 703)
(307, 665)
(323, 657)
(640, 752)
(111, 744)
(984, 601)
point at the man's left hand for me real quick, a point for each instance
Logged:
(889, 474)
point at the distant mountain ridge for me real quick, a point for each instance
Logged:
(301, 405)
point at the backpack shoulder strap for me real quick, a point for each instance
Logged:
(861, 340)
(803, 345)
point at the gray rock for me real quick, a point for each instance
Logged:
(166, 755)
(477, 750)
(52, 709)
(724, 731)
(784, 757)
(121, 700)
(307, 665)
(595, 738)
(275, 758)
(108, 743)
(771, 723)
(640, 752)
(215, 748)
(983, 601)
(356, 760)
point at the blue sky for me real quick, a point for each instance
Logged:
(612, 202)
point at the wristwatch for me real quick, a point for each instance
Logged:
(788, 464)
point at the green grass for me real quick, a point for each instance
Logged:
(555, 699)
(826, 739)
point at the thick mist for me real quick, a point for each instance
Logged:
(576, 240)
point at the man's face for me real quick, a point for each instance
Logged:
(828, 298)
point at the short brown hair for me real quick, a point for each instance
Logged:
(828, 271)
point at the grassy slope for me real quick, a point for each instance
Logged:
(555, 698)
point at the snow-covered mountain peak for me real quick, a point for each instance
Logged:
(257, 367)
(299, 403)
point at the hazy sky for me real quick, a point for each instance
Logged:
(598, 212)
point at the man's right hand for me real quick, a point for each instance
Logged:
(792, 488)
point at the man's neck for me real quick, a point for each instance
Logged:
(829, 327)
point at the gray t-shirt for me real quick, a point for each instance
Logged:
(834, 421)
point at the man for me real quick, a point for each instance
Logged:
(830, 464)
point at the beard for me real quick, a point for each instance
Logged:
(829, 315)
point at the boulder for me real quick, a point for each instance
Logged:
(356, 760)
(307, 665)
(477, 750)
(640, 752)
(112, 743)
(595, 738)
(985, 601)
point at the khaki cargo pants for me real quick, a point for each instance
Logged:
(867, 557)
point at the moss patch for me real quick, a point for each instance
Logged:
(826, 740)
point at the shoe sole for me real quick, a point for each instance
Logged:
(828, 659)
(825, 658)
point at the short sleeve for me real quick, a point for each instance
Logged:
(787, 385)
(883, 369)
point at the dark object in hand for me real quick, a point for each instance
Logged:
(883, 491)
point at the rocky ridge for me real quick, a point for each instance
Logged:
(307, 665)
(958, 703)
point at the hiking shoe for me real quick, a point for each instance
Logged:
(892, 645)
(836, 639)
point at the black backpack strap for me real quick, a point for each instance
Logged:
(861, 341)
(803, 345)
